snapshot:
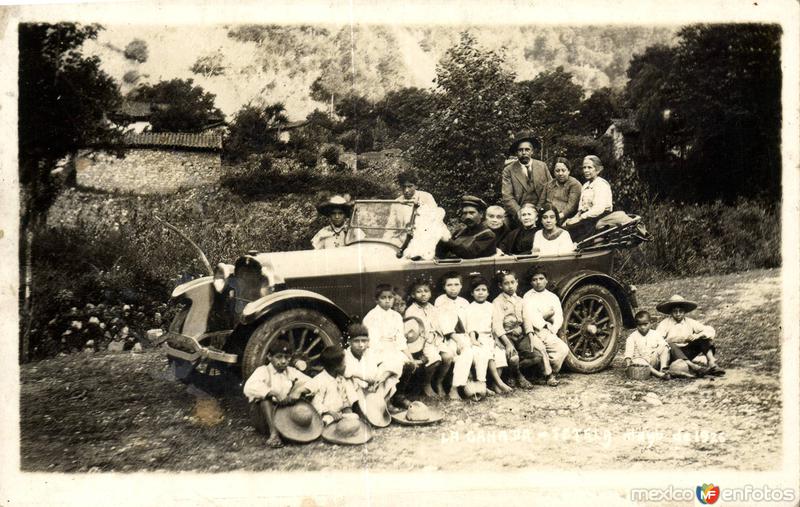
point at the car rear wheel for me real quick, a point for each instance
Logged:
(309, 331)
(592, 328)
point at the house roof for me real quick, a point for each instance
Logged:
(200, 141)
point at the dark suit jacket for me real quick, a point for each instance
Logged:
(469, 243)
(515, 185)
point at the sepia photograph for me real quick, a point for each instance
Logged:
(294, 244)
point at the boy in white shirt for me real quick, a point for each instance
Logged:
(542, 318)
(275, 384)
(647, 347)
(363, 367)
(333, 394)
(687, 338)
(488, 355)
(452, 310)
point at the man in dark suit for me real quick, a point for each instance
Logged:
(523, 179)
(475, 239)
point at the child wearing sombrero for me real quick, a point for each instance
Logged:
(337, 209)
(687, 338)
(274, 384)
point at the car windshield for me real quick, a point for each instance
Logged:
(383, 221)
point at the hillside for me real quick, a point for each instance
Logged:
(265, 64)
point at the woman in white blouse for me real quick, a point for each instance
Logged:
(596, 201)
(551, 239)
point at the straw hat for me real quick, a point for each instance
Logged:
(679, 368)
(349, 430)
(335, 202)
(522, 136)
(298, 422)
(373, 406)
(475, 390)
(418, 414)
(415, 334)
(676, 301)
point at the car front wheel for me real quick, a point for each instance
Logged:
(309, 331)
(592, 328)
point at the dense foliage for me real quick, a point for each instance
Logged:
(188, 108)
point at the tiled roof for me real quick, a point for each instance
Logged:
(203, 140)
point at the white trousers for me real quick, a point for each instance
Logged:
(462, 362)
(485, 352)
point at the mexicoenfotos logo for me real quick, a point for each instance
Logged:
(707, 494)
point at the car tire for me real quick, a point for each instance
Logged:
(591, 348)
(309, 331)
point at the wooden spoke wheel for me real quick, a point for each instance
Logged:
(592, 328)
(309, 331)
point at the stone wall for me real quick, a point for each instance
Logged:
(148, 170)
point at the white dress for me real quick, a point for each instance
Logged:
(559, 246)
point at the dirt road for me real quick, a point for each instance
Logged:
(122, 412)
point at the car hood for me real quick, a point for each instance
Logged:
(351, 259)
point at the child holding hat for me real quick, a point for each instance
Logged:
(687, 338)
(333, 394)
(274, 384)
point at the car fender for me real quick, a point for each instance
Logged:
(295, 298)
(625, 296)
(201, 293)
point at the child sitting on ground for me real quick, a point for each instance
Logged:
(488, 356)
(363, 367)
(274, 384)
(388, 340)
(687, 338)
(333, 394)
(647, 347)
(437, 354)
(507, 329)
(452, 310)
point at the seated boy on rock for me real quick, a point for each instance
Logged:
(273, 384)
(647, 347)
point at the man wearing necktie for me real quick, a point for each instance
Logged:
(524, 179)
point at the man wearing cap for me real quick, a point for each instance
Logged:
(475, 239)
(337, 209)
(525, 178)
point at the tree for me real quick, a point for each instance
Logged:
(136, 50)
(254, 130)
(187, 107)
(548, 105)
(63, 99)
(210, 65)
(597, 111)
(460, 146)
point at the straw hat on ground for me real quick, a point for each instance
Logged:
(373, 406)
(298, 422)
(418, 414)
(349, 430)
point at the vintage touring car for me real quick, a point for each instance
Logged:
(309, 297)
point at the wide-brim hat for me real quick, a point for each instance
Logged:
(418, 414)
(417, 343)
(298, 422)
(524, 135)
(676, 301)
(679, 368)
(373, 406)
(474, 390)
(335, 202)
(475, 202)
(349, 430)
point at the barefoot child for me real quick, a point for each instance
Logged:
(388, 340)
(488, 356)
(452, 310)
(507, 329)
(542, 318)
(687, 338)
(647, 347)
(273, 384)
(437, 354)
(333, 394)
